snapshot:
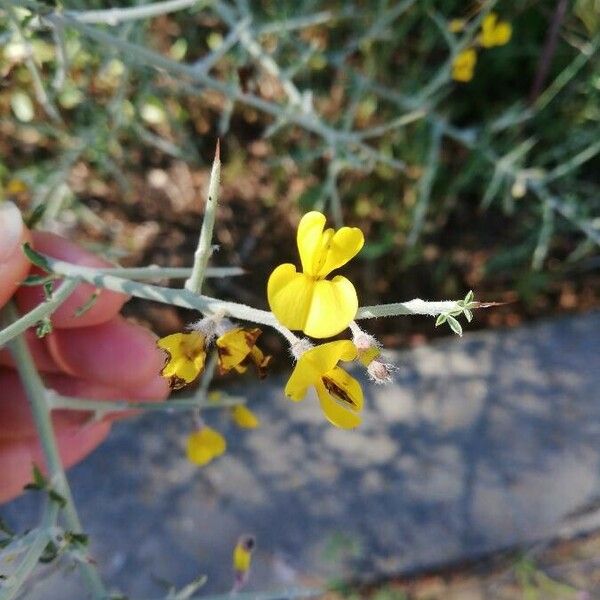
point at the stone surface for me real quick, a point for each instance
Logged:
(483, 443)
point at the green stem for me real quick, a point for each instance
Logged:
(57, 401)
(204, 249)
(35, 550)
(39, 312)
(36, 394)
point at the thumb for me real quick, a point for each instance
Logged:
(13, 263)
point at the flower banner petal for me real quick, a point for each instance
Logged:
(309, 239)
(344, 245)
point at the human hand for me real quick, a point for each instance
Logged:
(98, 355)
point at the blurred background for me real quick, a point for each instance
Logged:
(110, 111)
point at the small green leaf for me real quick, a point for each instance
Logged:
(37, 279)
(43, 327)
(48, 289)
(34, 217)
(38, 478)
(50, 553)
(88, 303)
(81, 539)
(455, 325)
(36, 258)
(56, 497)
(469, 297)
(441, 319)
(468, 315)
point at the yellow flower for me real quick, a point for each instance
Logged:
(463, 65)
(186, 355)
(456, 25)
(204, 445)
(494, 32)
(242, 554)
(238, 346)
(244, 418)
(340, 394)
(307, 301)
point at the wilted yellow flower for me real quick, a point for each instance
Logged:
(463, 65)
(242, 557)
(243, 417)
(242, 553)
(237, 347)
(204, 445)
(340, 394)
(307, 301)
(494, 32)
(186, 356)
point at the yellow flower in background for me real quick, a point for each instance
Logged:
(307, 301)
(204, 445)
(237, 347)
(494, 32)
(186, 356)
(242, 554)
(242, 558)
(456, 25)
(340, 394)
(244, 418)
(463, 65)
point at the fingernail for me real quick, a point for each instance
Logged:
(11, 228)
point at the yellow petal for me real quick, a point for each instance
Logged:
(243, 417)
(341, 398)
(333, 305)
(309, 239)
(241, 558)
(502, 33)
(489, 21)
(261, 361)
(319, 308)
(465, 59)
(316, 362)
(289, 294)
(345, 244)
(204, 445)
(234, 346)
(323, 251)
(462, 74)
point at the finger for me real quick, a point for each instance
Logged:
(39, 351)
(118, 353)
(16, 421)
(17, 458)
(107, 304)
(13, 263)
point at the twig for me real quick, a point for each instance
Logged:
(59, 402)
(548, 51)
(39, 312)
(36, 394)
(36, 78)
(204, 249)
(114, 16)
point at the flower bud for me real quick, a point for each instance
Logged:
(381, 372)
